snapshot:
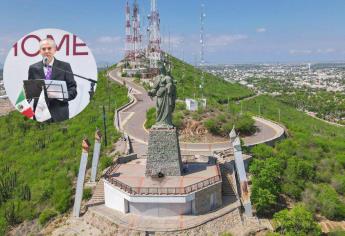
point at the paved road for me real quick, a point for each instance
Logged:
(133, 117)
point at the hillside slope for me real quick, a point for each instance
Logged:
(216, 89)
(42, 160)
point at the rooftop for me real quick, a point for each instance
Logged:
(131, 178)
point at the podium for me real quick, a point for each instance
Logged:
(53, 89)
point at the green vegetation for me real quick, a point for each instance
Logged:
(87, 193)
(324, 199)
(327, 105)
(225, 234)
(150, 117)
(215, 121)
(46, 215)
(39, 162)
(222, 123)
(310, 160)
(338, 232)
(216, 90)
(296, 222)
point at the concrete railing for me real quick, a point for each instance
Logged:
(161, 190)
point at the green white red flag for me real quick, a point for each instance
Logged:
(23, 106)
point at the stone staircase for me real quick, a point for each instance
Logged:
(98, 195)
(228, 187)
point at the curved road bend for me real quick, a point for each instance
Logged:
(133, 117)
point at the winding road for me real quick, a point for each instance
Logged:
(132, 118)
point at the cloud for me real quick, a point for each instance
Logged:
(109, 39)
(224, 40)
(325, 51)
(2, 51)
(309, 51)
(300, 51)
(261, 30)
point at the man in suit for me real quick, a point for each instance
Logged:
(52, 69)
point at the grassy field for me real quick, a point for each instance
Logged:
(39, 162)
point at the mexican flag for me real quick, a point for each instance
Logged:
(23, 106)
(42, 112)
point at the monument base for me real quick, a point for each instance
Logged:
(198, 191)
(163, 157)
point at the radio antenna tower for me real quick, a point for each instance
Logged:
(128, 40)
(154, 49)
(136, 30)
(202, 47)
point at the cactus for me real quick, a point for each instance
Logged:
(40, 144)
(26, 193)
(8, 182)
(11, 214)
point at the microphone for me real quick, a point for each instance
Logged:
(45, 61)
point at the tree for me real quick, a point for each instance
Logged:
(297, 221)
(264, 201)
(296, 174)
(263, 151)
(265, 184)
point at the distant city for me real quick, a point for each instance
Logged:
(275, 79)
(278, 78)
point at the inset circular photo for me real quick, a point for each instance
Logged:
(50, 75)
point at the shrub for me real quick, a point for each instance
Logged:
(227, 127)
(245, 124)
(221, 118)
(322, 198)
(3, 225)
(265, 184)
(338, 232)
(264, 201)
(178, 119)
(338, 183)
(180, 106)
(296, 174)
(87, 193)
(150, 117)
(196, 116)
(62, 200)
(263, 151)
(105, 162)
(297, 221)
(212, 126)
(46, 215)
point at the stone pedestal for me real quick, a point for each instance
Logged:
(164, 156)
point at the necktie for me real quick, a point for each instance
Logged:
(49, 73)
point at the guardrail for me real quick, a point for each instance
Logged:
(161, 190)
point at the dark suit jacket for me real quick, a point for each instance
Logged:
(58, 109)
